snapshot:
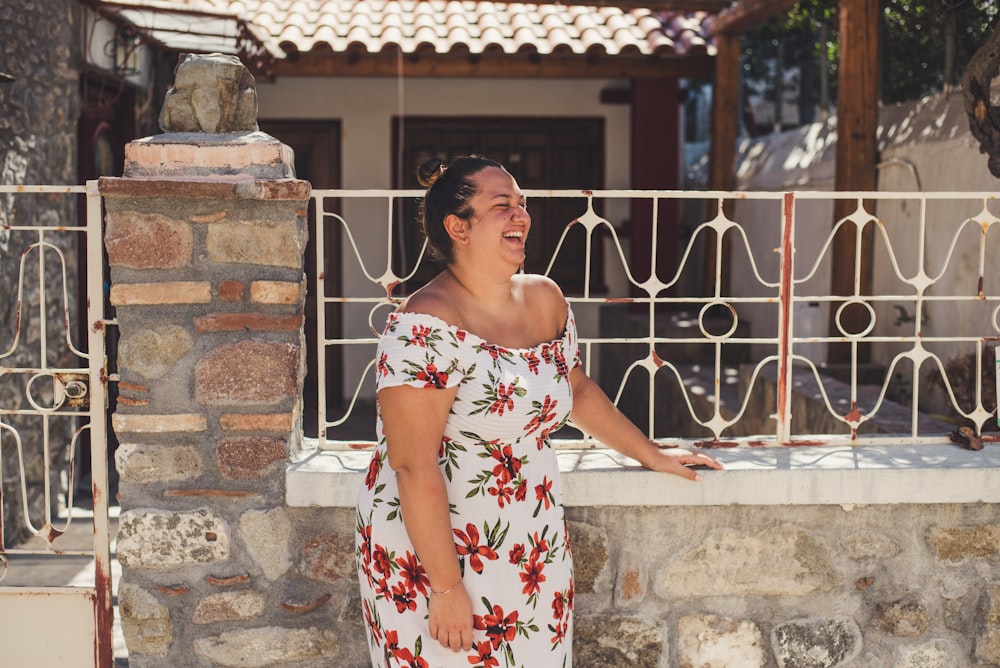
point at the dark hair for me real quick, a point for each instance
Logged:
(449, 189)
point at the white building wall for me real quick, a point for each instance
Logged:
(924, 146)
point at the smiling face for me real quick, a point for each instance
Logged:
(500, 223)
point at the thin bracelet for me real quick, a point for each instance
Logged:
(446, 591)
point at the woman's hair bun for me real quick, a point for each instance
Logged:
(429, 171)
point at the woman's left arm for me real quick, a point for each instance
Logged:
(595, 413)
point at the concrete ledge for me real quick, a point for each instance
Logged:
(803, 475)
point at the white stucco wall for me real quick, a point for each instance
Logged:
(365, 109)
(924, 146)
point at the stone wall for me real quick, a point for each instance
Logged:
(907, 586)
(207, 281)
(38, 111)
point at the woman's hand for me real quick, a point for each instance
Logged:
(450, 618)
(678, 461)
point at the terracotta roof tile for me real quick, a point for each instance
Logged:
(445, 26)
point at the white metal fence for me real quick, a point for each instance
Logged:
(749, 336)
(53, 399)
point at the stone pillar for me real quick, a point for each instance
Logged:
(205, 235)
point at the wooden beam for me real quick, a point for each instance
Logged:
(748, 14)
(522, 65)
(857, 157)
(722, 143)
(725, 113)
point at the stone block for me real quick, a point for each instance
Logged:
(590, 557)
(164, 539)
(229, 606)
(148, 241)
(630, 587)
(149, 463)
(247, 322)
(248, 373)
(329, 557)
(261, 242)
(266, 647)
(937, 653)
(153, 351)
(604, 640)
(212, 93)
(277, 292)
(987, 640)
(902, 618)
(231, 291)
(147, 294)
(816, 643)
(278, 422)
(145, 621)
(711, 641)
(267, 536)
(868, 544)
(249, 458)
(779, 561)
(957, 543)
(125, 423)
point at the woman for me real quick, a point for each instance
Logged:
(462, 549)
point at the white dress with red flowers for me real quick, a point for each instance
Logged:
(503, 484)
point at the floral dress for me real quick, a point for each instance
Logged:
(503, 486)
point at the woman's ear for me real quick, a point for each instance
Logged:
(457, 228)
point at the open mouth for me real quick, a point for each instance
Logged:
(513, 235)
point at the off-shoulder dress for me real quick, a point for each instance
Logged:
(503, 485)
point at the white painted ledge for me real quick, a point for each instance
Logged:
(801, 475)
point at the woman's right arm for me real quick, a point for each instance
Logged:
(414, 420)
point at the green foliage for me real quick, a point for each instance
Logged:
(925, 44)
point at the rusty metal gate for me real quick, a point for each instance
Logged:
(53, 428)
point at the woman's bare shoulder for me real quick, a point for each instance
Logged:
(434, 300)
(544, 296)
(541, 290)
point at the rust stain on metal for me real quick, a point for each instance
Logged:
(619, 300)
(103, 647)
(785, 300)
(981, 295)
(306, 607)
(227, 581)
(657, 360)
(360, 446)
(322, 275)
(712, 445)
(799, 444)
(757, 444)
(54, 533)
(855, 414)
(389, 288)
(172, 590)
(98, 324)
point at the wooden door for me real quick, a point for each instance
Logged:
(549, 153)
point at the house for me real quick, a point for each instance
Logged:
(566, 96)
